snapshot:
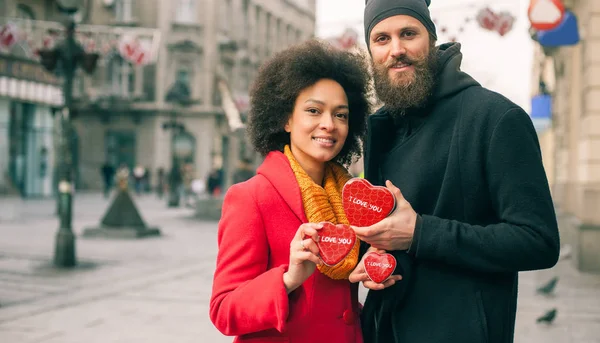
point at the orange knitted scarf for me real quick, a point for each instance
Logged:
(324, 204)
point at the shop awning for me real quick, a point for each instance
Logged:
(31, 91)
(231, 111)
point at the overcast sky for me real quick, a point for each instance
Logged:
(502, 64)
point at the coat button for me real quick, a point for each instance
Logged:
(349, 317)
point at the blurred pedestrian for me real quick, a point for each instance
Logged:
(214, 182)
(108, 177)
(160, 182)
(138, 175)
(244, 171)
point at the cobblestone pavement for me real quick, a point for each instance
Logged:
(157, 289)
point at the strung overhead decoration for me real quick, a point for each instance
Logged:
(134, 50)
(136, 45)
(346, 41)
(502, 22)
(566, 33)
(545, 14)
(9, 35)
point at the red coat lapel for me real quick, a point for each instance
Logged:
(276, 168)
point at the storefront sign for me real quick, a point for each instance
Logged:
(25, 70)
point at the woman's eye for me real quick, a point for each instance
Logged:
(342, 115)
(313, 110)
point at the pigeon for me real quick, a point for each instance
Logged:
(548, 288)
(548, 317)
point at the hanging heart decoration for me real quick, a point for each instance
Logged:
(501, 23)
(133, 50)
(9, 36)
(505, 23)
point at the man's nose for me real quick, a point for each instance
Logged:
(398, 48)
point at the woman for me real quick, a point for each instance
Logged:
(308, 116)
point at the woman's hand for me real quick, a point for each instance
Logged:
(304, 256)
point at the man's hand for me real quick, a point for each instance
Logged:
(394, 232)
(359, 274)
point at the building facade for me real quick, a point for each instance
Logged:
(572, 145)
(28, 97)
(189, 104)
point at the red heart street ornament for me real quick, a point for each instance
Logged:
(8, 36)
(133, 50)
(502, 23)
(366, 204)
(335, 242)
(379, 267)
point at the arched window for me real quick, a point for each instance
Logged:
(25, 12)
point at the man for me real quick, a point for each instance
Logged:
(108, 176)
(473, 202)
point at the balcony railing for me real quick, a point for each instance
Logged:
(33, 35)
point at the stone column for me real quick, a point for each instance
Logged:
(252, 27)
(588, 250)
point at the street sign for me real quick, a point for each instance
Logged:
(137, 45)
(545, 14)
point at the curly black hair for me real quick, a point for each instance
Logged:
(281, 79)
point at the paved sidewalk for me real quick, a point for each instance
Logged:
(146, 290)
(157, 290)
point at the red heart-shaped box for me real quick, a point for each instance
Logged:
(335, 242)
(366, 204)
(379, 267)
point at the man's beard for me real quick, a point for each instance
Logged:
(406, 90)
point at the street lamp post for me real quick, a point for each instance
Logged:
(68, 55)
(178, 93)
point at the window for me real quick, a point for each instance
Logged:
(124, 11)
(184, 76)
(185, 12)
(121, 77)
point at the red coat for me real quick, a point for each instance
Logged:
(259, 220)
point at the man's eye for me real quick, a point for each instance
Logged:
(380, 38)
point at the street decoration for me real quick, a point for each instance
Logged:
(136, 45)
(345, 41)
(545, 14)
(9, 36)
(134, 50)
(501, 23)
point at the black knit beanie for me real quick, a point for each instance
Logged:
(378, 10)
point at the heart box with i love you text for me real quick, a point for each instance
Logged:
(366, 204)
(379, 267)
(335, 242)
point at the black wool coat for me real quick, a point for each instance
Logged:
(470, 165)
